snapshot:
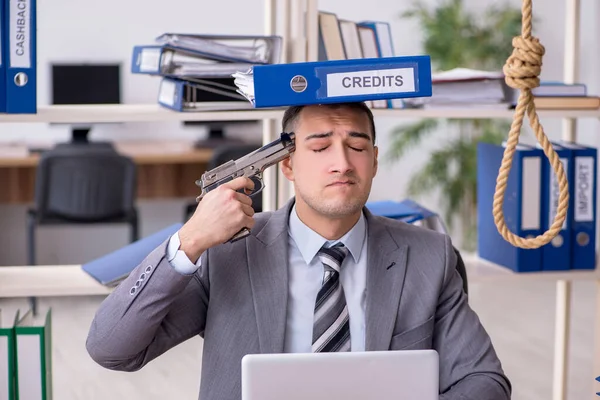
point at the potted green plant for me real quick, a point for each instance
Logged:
(454, 36)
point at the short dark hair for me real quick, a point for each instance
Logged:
(291, 114)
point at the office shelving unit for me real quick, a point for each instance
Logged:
(299, 30)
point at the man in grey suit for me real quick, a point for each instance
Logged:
(320, 274)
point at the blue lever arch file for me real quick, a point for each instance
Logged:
(3, 45)
(583, 165)
(556, 255)
(336, 81)
(21, 68)
(522, 206)
(112, 268)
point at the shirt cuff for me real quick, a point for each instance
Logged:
(178, 259)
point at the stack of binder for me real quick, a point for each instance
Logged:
(356, 63)
(18, 57)
(531, 203)
(196, 69)
(26, 356)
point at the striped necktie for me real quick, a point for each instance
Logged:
(331, 329)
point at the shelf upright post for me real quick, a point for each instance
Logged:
(563, 287)
(269, 193)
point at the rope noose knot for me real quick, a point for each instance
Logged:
(521, 71)
(524, 66)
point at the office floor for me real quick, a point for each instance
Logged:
(518, 316)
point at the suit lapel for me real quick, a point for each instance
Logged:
(267, 264)
(386, 270)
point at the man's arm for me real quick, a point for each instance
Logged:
(469, 366)
(151, 311)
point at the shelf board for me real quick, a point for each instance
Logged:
(480, 270)
(135, 113)
(71, 280)
(156, 113)
(479, 113)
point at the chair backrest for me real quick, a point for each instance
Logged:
(233, 151)
(85, 183)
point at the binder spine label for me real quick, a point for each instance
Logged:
(167, 93)
(20, 33)
(531, 192)
(2, 22)
(397, 80)
(554, 194)
(149, 60)
(584, 175)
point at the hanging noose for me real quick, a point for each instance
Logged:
(522, 70)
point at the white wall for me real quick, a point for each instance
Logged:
(85, 30)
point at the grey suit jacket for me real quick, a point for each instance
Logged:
(237, 302)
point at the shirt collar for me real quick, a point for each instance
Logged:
(309, 242)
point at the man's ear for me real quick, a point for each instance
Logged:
(376, 160)
(286, 168)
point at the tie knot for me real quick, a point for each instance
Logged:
(333, 256)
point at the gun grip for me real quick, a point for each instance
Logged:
(240, 235)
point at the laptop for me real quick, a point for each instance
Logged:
(381, 375)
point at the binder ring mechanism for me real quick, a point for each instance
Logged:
(298, 84)
(522, 70)
(21, 79)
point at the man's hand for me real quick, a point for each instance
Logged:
(221, 213)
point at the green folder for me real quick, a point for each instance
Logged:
(8, 384)
(34, 356)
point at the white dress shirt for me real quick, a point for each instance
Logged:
(305, 272)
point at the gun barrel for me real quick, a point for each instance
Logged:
(253, 163)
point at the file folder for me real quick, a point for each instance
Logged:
(33, 338)
(336, 81)
(8, 384)
(556, 255)
(182, 95)
(3, 55)
(166, 61)
(254, 49)
(391, 209)
(522, 206)
(21, 68)
(583, 165)
(112, 268)
(408, 211)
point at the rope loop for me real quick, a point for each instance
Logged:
(521, 71)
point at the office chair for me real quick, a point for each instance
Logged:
(82, 185)
(220, 156)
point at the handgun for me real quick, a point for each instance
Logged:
(252, 165)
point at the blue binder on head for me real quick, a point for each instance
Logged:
(556, 255)
(3, 43)
(112, 268)
(21, 68)
(336, 81)
(583, 165)
(522, 208)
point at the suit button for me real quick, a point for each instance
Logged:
(142, 276)
(148, 269)
(138, 283)
(132, 291)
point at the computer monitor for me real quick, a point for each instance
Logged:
(85, 83)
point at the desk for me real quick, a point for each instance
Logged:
(166, 169)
